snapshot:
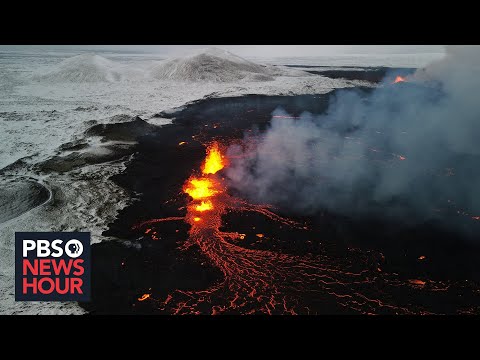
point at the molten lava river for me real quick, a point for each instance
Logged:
(270, 282)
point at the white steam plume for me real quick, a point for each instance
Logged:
(409, 150)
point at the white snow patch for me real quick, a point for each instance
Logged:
(157, 121)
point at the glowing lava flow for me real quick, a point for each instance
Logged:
(200, 188)
(270, 282)
(215, 161)
(206, 187)
(204, 206)
(399, 79)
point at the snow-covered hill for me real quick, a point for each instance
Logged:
(216, 65)
(83, 68)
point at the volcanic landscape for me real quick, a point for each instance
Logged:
(216, 185)
(191, 245)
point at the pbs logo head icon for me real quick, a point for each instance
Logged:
(74, 248)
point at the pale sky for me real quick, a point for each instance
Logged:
(247, 50)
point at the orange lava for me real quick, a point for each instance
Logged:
(204, 206)
(215, 161)
(200, 188)
(417, 282)
(207, 186)
(144, 297)
(182, 143)
(399, 79)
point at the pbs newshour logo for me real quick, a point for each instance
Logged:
(52, 266)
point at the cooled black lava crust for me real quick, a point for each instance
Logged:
(125, 269)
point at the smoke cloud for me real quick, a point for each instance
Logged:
(409, 150)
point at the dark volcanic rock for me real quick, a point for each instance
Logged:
(374, 75)
(78, 159)
(126, 131)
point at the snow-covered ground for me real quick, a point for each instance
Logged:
(49, 99)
